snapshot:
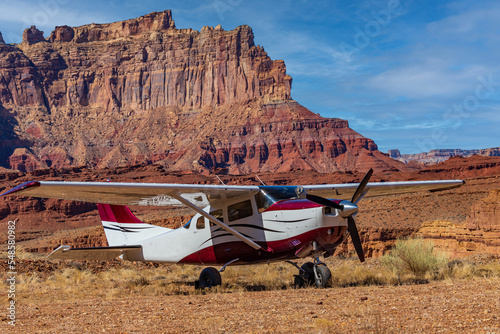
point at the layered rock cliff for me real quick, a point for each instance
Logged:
(436, 156)
(480, 233)
(143, 91)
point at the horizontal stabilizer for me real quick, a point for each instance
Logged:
(95, 253)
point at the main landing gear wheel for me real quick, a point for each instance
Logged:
(305, 276)
(210, 277)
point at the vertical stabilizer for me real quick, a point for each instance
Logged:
(123, 228)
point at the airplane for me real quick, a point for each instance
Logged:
(233, 225)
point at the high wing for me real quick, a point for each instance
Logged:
(373, 189)
(169, 194)
(143, 194)
(198, 196)
(147, 194)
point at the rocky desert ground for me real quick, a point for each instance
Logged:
(462, 306)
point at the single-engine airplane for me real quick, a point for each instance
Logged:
(233, 225)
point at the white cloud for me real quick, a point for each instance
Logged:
(468, 23)
(427, 80)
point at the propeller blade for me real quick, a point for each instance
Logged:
(324, 202)
(361, 187)
(353, 231)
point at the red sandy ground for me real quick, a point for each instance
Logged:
(464, 306)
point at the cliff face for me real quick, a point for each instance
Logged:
(480, 233)
(144, 64)
(143, 91)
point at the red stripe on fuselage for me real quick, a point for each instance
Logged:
(295, 204)
(282, 249)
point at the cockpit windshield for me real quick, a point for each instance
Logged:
(268, 195)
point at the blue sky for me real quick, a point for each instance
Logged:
(413, 75)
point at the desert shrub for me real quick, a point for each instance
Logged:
(414, 256)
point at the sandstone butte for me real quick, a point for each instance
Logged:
(142, 91)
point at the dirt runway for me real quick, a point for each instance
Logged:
(453, 306)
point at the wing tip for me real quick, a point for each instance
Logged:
(21, 187)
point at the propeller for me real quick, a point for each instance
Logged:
(353, 231)
(348, 210)
(359, 193)
(325, 202)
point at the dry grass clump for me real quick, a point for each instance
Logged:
(415, 257)
(132, 278)
(463, 269)
(270, 276)
(353, 273)
(411, 261)
(21, 254)
(325, 326)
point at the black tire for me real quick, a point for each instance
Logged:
(298, 282)
(210, 277)
(307, 275)
(324, 275)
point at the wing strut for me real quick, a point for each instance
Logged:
(217, 222)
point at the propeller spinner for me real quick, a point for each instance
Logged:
(348, 210)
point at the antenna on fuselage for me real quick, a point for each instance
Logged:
(217, 176)
(258, 178)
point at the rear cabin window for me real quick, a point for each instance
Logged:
(240, 210)
(200, 223)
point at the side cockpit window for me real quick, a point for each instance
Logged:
(240, 210)
(268, 195)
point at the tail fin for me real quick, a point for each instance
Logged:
(123, 228)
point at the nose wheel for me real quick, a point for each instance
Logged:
(322, 276)
(310, 273)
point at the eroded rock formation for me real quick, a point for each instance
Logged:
(480, 234)
(436, 156)
(32, 35)
(143, 91)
